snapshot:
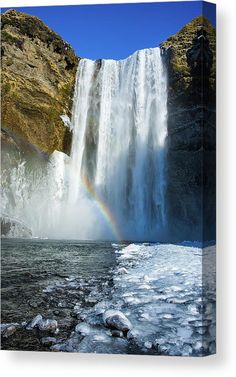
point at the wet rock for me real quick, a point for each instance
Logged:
(60, 290)
(114, 319)
(31, 324)
(8, 329)
(163, 349)
(48, 341)
(117, 333)
(48, 325)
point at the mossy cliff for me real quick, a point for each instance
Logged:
(38, 76)
(190, 61)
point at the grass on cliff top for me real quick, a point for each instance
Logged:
(182, 41)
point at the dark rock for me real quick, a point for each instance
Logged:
(117, 333)
(190, 60)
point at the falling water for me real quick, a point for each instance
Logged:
(113, 184)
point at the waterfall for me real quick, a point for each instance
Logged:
(113, 184)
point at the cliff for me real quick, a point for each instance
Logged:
(190, 60)
(38, 75)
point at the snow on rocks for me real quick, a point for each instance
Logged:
(31, 324)
(42, 324)
(48, 325)
(148, 344)
(115, 319)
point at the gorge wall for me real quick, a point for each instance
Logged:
(191, 162)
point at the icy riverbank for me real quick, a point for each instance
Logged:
(152, 299)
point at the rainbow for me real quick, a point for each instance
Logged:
(102, 207)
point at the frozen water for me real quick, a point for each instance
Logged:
(167, 292)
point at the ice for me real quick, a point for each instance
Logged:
(162, 289)
(148, 344)
(67, 122)
(83, 328)
(156, 303)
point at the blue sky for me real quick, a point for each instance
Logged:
(117, 30)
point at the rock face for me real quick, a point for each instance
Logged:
(190, 60)
(38, 75)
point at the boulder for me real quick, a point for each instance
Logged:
(115, 319)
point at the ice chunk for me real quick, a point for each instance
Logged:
(83, 328)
